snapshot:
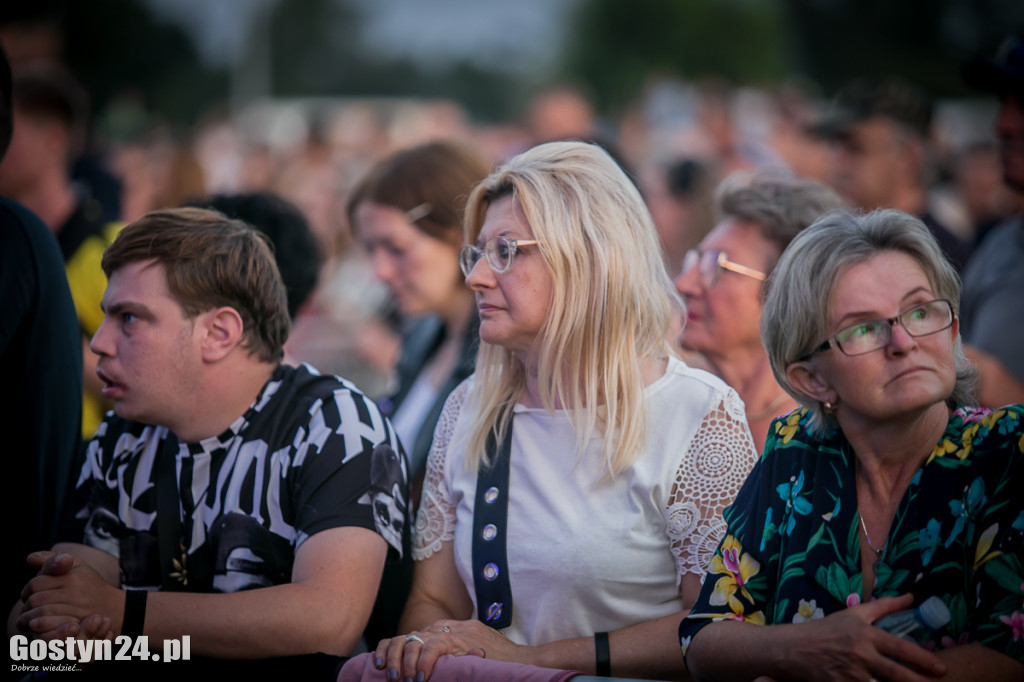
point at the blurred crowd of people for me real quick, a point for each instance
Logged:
(362, 199)
(881, 144)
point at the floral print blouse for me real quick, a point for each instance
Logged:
(791, 552)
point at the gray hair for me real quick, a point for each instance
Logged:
(795, 317)
(780, 204)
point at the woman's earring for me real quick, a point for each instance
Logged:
(829, 408)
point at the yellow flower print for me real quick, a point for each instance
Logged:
(982, 554)
(989, 421)
(738, 568)
(789, 429)
(942, 449)
(967, 441)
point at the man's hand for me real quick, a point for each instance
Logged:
(48, 563)
(66, 591)
(91, 627)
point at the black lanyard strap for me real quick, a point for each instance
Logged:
(170, 540)
(490, 550)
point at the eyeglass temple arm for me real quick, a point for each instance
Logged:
(742, 270)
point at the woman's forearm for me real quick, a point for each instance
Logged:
(842, 646)
(648, 650)
(438, 592)
(976, 661)
(421, 614)
(732, 650)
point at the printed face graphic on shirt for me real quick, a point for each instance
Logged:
(386, 494)
(101, 531)
(248, 555)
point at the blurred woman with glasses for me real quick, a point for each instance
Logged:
(722, 282)
(886, 492)
(620, 458)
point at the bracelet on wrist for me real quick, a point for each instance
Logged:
(602, 655)
(134, 612)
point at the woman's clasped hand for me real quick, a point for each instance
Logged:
(412, 656)
(846, 645)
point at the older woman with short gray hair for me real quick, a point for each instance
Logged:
(886, 490)
(723, 281)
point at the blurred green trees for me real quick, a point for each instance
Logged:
(612, 47)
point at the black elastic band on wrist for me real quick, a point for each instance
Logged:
(602, 654)
(134, 612)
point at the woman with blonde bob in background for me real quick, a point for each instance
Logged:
(619, 458)
(888, 491)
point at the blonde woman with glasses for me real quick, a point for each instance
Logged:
(618, 459)
(722, 282)
(885, 493)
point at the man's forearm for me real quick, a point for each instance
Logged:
(283, 620)
(336, 576)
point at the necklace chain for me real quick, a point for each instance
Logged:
(878, 552)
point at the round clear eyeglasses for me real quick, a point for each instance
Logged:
(500, 253)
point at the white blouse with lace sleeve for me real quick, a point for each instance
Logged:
(588, 553)
(717, 461)
(435, 522)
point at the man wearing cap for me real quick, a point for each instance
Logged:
(880, 131)
(992, 304)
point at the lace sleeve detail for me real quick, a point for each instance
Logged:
(435, 521)
(710, 474)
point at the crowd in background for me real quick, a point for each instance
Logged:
(686, 146)
(678, 142)
(881, 144)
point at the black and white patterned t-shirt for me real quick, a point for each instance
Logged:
(311, 453)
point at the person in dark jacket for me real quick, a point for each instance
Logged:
(407, 213)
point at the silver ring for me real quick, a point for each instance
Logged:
(412, 637)
(446, 629)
